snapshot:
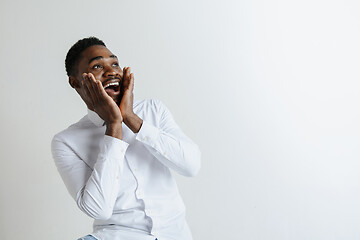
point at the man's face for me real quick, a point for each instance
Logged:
(104, 65)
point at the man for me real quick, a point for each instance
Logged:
(116, 161)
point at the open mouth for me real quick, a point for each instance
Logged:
(112, 88)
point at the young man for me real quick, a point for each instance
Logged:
(116, 161)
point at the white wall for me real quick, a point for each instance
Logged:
(268, 89)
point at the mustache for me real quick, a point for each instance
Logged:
(117, 76)
(110, 79)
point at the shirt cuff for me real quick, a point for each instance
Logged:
(148, 134)
(113, 147)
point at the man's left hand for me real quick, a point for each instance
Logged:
(127, 99)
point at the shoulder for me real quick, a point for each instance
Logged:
(153, 105)
(150, 110)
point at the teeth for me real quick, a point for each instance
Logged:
(111, 84)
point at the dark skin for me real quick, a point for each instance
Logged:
(97, 68)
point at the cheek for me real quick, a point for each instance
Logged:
(97, 76)
(97, 73)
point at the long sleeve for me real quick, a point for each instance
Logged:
(94, 190)
(169, 144)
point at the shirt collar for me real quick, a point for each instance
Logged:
(95, 118)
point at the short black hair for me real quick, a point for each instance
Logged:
(73, 55)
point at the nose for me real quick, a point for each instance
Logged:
(111, 71)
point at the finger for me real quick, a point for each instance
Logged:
(102, 92)
(98, 87)
(95, 85)
(127, 78)
(124, 79)
(128, 72)
(131, 84)
(83, 87)
(84, 92)
(90, 88)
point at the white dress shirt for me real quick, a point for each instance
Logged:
(126, 185)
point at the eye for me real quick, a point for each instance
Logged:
(96, 66)
(116, 64)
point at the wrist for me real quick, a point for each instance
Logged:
(128, 116)
(134, 122)
(114, 129)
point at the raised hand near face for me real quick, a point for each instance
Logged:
(126, 104)
(95, 96)
(127, 88)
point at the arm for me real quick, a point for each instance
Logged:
(95, 191)
(169, 144)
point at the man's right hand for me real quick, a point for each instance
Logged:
(94, 95)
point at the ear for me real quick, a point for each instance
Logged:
(74, 83)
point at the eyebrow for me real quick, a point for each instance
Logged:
(100, 57)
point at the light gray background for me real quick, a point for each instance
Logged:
(268, 89)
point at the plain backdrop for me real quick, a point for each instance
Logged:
(269, 90)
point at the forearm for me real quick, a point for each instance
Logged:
(94, 189)
(98, 196)
(172, 148)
